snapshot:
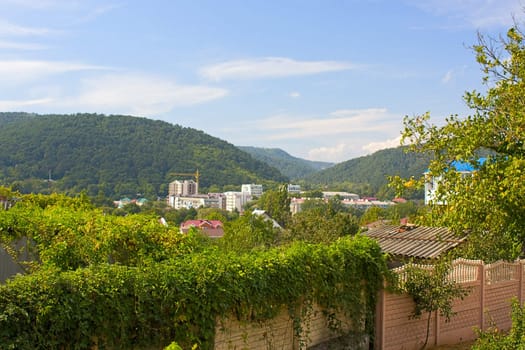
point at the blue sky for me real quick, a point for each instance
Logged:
(323, 80)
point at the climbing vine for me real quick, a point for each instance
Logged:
(130, 282)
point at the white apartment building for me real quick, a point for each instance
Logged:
(196, 201)
(183, 188)
(294, 188)
(236, 200)
(252, 189)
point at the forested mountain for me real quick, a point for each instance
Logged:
(290, 166)
(116, 155)
(368, 175)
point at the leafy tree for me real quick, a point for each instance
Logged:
(489, 203)
(432, 291)
(373, 214)
(322, 222)
(277, 204)
(248, 232)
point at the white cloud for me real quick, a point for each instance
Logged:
(376, 146)
(20, 46)
(13, 105)
(294, 94)
(447, 77)
(475, 13)
(329, 154)
(138, 94)
(14, 71)
(10, 29)
(40, 4)
(340, 122)
(270, 67)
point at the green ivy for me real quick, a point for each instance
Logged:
(122, 307)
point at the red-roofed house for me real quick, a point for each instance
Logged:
(211, 228)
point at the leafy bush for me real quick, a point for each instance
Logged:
(120, 307)
(494, 339)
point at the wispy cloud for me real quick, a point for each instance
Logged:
(346, 121)
(10, 29)
(40, 4)
(474, 13)
(333, 154)
(447, 77)
(270, 67)
(21, 46)
(376, 146)
(138, 94)
(294, 94)
(12, 105)
(20, 71)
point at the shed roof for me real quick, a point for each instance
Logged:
(416, 242)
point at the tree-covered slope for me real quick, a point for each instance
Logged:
(371, 171)
(290, 166)
(118, 155)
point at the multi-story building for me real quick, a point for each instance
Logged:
(252, 189)
(295, 189)
(183, 188)
(236, 200)
(196, 201)
(432, 182)
(341, 195)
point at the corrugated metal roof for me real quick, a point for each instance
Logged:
(417, 242)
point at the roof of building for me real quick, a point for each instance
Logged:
(413, 241)
(201, 223)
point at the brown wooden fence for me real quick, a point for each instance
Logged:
(489, 302)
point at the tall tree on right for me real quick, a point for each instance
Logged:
(489, 203)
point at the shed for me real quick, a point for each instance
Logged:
(410, 241)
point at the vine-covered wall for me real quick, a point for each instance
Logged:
(121, 307)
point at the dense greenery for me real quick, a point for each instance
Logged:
(116, 155)
(488, 204)
(495, 339)
(323, 222)
(292, 167)
(368, 175)
(130, 282)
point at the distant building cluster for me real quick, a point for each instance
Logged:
(347, 199)
(185, 194)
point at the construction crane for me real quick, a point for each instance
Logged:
(196, 175)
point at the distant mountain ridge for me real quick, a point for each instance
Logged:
(288, 165)
(369, 173)
(117, 155)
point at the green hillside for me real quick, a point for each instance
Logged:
(290, 166)
(118, 155)
(368, 174)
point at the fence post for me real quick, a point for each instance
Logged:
(481, 271)
(379, 340)
(520, 279)
(436, 329)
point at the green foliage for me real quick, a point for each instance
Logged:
(121, 307)
(432, 291)
(116, 155)
(125, 282)
(367, 175)
(68, 233)
(248, 232)
(489, 203)
(322, 222)
(276, 203)
(289, 166)
(495, 339)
